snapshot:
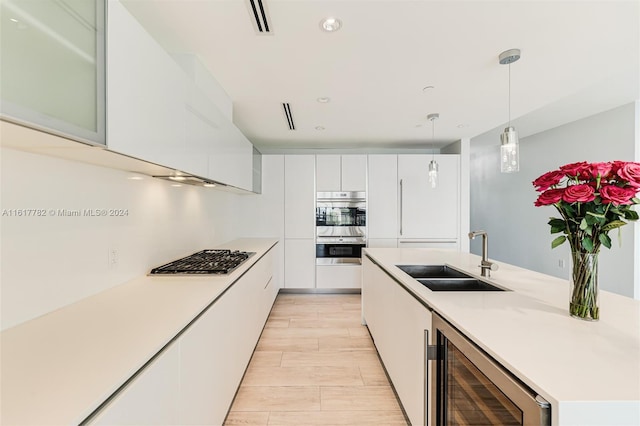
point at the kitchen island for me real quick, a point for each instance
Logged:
(588, 371)
(74, 362)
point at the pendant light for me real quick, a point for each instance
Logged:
(433, 165)
(509, 147)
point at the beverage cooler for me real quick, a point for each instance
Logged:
(470, 388)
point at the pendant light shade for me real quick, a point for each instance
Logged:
(509, 144)
(509, 151)
(433, 164)
(433, 173)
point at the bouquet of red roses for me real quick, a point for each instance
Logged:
(592, 198)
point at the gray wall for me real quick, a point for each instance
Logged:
(502, 204)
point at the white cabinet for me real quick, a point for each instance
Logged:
(341, 173)
(382, 242)
(354, 172)
(216, 349)
(299, 221)
(52, 74)
(429, 213)
(151, 398)
(382, 207)
(146, 93)
(194, 380)
(397, 322)
(299, 196)
(299, 263)
(328, 173)
(160, 113)
(338, 276)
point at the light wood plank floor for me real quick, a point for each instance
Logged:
(315, 364)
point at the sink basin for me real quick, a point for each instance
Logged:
(457, 284)
(431, 271)
(444, 278)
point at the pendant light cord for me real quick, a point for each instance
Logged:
(509, 94)
(433, 132)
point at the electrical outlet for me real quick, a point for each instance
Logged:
(113, 258)
(561, 263)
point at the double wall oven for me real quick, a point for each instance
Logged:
(341, 223)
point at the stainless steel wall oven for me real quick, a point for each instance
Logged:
(341, 220)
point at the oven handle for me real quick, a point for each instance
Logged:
(338, 261)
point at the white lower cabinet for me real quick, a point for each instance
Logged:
(193, 382)
(382, 242)
(151, 398)
(338, 276)
(397, 322)
(442, 245)
(299, 263)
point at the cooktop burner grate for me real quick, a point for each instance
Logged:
(205, 262)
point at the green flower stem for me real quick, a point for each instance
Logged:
(584, 297)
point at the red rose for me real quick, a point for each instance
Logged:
(547, 180)
(579, 194)
(631, 173)
(551, 196)
(601, 169)
(580, 169)
(616, 165)
(616, 195)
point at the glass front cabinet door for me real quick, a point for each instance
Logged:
(52, 68)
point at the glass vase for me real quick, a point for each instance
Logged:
(584, 303)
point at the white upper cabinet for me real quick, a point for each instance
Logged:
(52, 70)
(299, 196)
(341, 173)
(231, 160)
(382, 208)
(216, 148)
(147, 93)
(169, 113)
(354, 172)
(328, 173)
(425, 212)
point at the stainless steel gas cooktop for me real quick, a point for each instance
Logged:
(205, 262)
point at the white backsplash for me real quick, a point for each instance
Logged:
(48, 262)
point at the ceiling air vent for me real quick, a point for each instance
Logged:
(258, 10)
(287, 113)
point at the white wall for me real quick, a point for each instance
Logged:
(50, 262)
(502, 204)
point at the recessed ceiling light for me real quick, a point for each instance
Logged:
(324, 100)
(135, 178)
(330, 24)
(176, 185)
(319, 127)
(209, 185)
(13, 20)
(427, 88)
(177, 178)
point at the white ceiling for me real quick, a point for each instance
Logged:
(578, 58)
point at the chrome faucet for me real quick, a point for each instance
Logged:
(485, 266)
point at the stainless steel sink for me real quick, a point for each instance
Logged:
(445, 278)
(432, 271)
(457, 284)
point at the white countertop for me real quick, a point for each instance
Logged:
(58, 368)
(588, 371)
